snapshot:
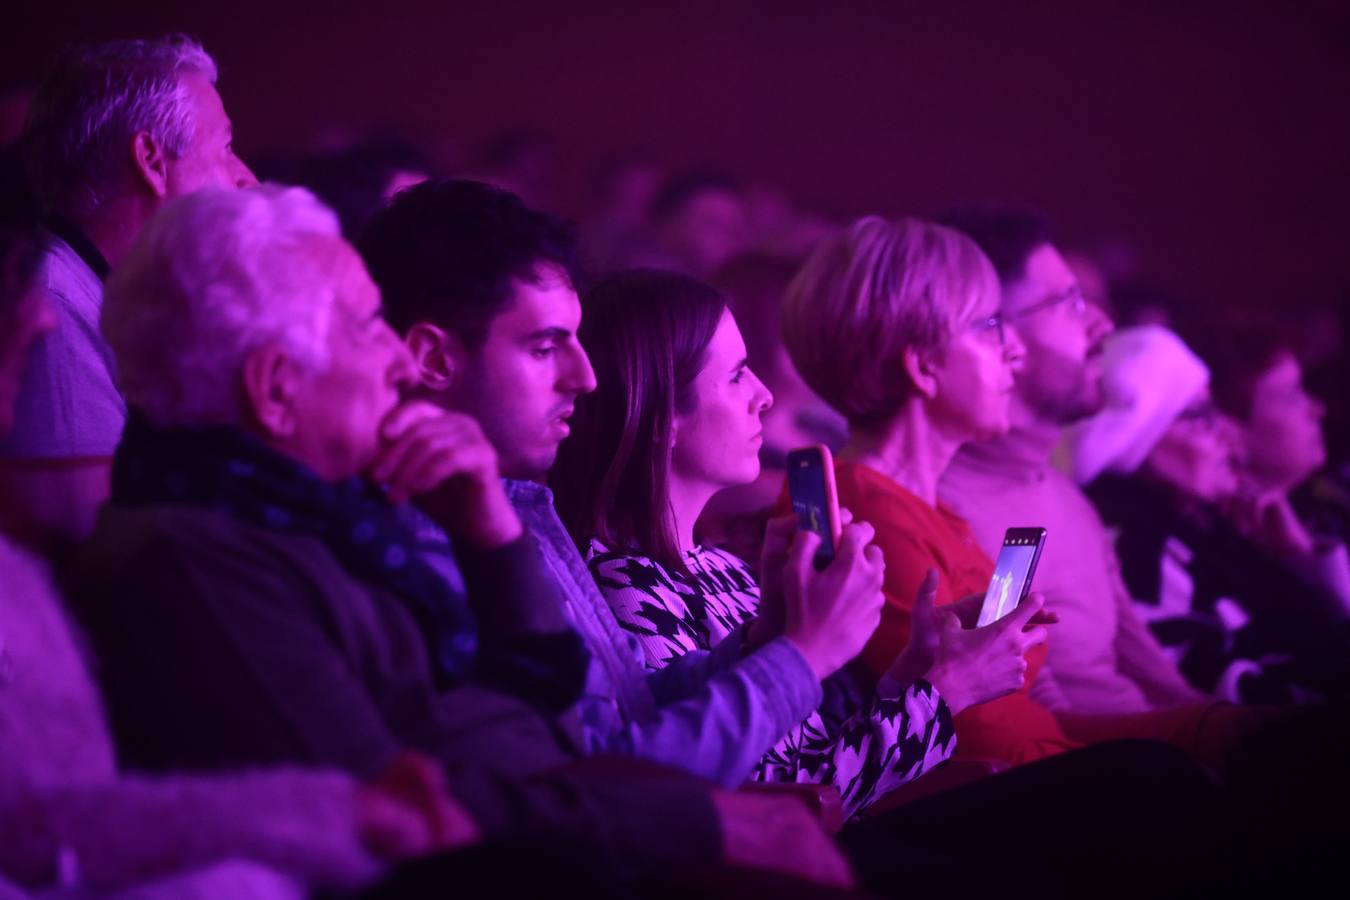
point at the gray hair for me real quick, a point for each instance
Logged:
(92, 102)
(212, 277)
(872, 291)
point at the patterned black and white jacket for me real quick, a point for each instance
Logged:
(863, 743)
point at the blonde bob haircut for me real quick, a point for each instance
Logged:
(868, 294)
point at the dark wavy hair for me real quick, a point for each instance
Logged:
(446, 251)
(647, 334)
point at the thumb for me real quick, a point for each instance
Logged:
(1019, 617)
(925, 599)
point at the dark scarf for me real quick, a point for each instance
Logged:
(227, 470)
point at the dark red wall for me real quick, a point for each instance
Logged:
(1217, 138)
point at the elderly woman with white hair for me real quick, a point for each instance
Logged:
(1244, 624)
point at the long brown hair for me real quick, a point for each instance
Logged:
(647, 334)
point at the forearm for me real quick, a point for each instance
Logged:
(723, 730)
(135, 829)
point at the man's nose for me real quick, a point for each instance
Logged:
(579, 377)
(1099, 324)
(243, 175)
(1014, 351)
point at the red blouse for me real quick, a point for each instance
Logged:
(913, 537)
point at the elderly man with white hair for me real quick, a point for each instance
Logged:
(115, 131)
(253, 595)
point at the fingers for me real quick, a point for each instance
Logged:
(928, 587)
(405, 415)
(1034, 637)
(801, 554)
(777, 534)
(845, 516)
(1019, 617)
(854, 538)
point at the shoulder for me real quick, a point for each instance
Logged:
(176, 544)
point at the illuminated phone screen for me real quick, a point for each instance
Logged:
(1011, 573)
(806, 487)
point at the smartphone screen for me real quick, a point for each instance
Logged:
(1013, 570)
(810, 478)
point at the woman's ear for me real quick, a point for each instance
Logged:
(922, 374)
(151, 163)
(440, 356)
(271, 384)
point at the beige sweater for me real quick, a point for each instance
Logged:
(66, 813)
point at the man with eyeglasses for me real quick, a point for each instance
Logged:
(1103, 660)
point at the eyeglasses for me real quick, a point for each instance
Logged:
(1073, 295)
(993, 323)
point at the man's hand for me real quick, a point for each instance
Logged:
(408, 812)
(779, 834)
(829, 614)
(442, 461)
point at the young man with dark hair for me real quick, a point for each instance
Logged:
(482, 288)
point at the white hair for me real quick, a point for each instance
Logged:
(212, 277)
(93, 101)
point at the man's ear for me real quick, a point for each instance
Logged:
(922, 374)
(440, 356)
(151, 163)
(271, 382)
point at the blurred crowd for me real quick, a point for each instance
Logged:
(367, 527)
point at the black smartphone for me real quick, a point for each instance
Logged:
(810, 478)
(1013, 570)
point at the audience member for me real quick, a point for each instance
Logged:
(1257, 381)
(897, 325)
(735, 518)
(357, 181)
(115, 130)
(622, 190)
(697, 223)
(69, 820)
(676, 419)
(1241, 623)
(1103, 658)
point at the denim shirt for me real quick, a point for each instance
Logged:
(714, 714)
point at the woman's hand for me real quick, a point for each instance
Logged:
(969, 665)
(408, 812)
(977, 665)
(830, 613)
(773, 557)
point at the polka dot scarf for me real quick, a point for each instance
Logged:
(226, 470)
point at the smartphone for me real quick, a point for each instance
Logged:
(1012, 573)
(810, 478)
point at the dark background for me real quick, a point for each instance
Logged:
(1213, 138)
